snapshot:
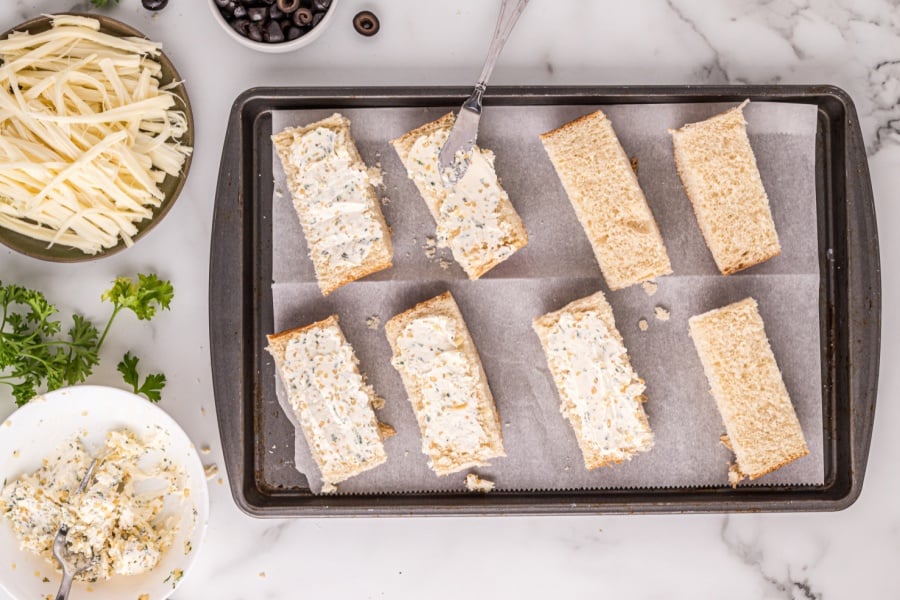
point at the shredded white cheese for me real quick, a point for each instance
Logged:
(119, 521)
(87, 134)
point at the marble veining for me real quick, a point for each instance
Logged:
(854, 44)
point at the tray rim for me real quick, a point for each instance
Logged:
(862, 321)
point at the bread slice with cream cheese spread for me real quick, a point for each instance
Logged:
(334, 195)
(601, 395)
(446, 384)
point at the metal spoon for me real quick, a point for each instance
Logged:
(465, 131)
(70, 570)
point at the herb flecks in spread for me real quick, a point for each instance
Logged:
(470, 220)
(340, 223)
(119, 521)
(599, 388)
(431, 350)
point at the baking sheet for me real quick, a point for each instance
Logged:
(556, 267)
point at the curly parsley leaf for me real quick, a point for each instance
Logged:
(102, 3)
(153, 383)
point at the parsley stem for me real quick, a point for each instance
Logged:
(115, 311)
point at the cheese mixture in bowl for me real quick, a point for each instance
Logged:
(120, 522)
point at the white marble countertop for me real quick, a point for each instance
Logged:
(850, 554)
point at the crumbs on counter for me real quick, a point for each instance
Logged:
(373, 322)
(211, 470)
(643, 325)
(378, 403)
(661, 313)
(385, 200)
(474, 483)
(445, 264)
(650, 287)
(262, 574)
(205, 449)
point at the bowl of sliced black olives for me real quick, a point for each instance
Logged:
(273, 25)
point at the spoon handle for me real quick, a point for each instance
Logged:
(509, 14)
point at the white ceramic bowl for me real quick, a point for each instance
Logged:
(303, 40)
(34, 431)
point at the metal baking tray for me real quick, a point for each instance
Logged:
(241, 312)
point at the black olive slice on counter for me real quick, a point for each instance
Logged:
(154, 4)
(288, 6)
(366, 23)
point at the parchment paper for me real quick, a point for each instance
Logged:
(557, 266)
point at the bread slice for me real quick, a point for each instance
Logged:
(474, 216)
(744, 379)
(330, 398)
(601, 395)
(446, 384)
(718, 169)
(602, 186)
(334, 196)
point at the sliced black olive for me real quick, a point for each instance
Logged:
(317, 18)
(285, 24)
(268, 2)
(275, 12)
(366, 23)
(257, 13)
(288, 6)
(154, 4)
(222, 3)
(273, 33)
(321, 4)
(254, 33)
(294, 32)
(240, 11)
(242, 26)
(302, 17)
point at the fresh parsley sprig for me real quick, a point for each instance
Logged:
(103, 3)
(153, 384)
(34, 356)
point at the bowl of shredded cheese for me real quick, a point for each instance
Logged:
(141, 517)
(96, 136)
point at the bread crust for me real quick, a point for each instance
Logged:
(381, 256)
(489, 417)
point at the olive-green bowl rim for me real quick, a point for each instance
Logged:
(171, 186)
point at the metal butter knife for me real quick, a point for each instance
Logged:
(465, 131)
